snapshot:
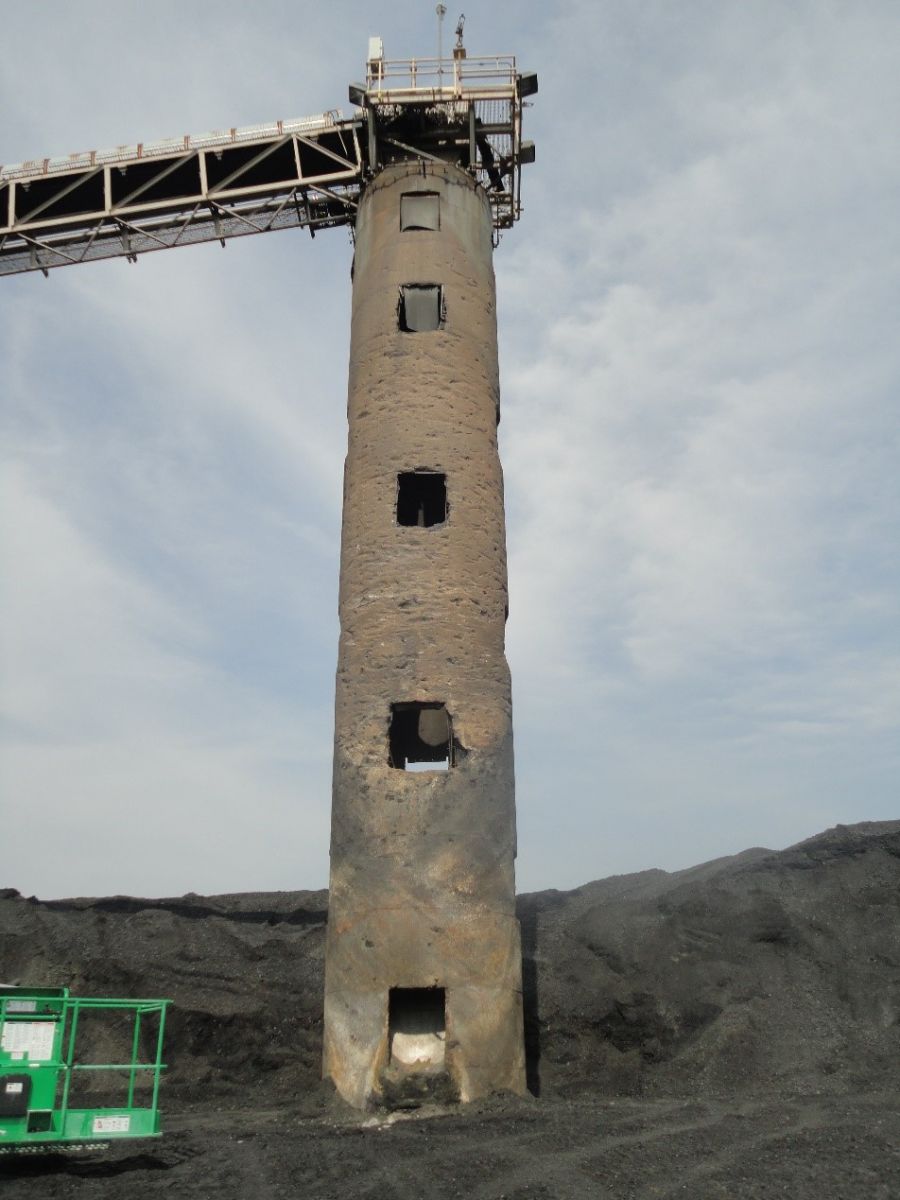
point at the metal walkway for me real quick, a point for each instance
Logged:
(154, 196)
(57, 212)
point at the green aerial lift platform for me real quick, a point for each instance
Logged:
(48, 1037)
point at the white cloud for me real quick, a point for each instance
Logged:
(132, 758)
(698, 381)
(699, 369)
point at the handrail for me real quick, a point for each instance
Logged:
(83, 160)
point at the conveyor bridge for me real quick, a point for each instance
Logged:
(309, 172)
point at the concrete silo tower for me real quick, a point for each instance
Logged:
(423, 970)
(423, 965)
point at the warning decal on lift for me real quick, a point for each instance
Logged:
(111, 1125)
(34, 1038)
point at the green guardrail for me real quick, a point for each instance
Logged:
(42, 1052)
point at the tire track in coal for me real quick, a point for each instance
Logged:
(797, 1145)
(562, 1171)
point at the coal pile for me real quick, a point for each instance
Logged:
(768, 969)
(749, 1002)
(765, 971)
(245, 973)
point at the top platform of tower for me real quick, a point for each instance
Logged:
(466, 111)
(310, 172)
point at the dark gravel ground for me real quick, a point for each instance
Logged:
(828, 1148)
(728, 1031)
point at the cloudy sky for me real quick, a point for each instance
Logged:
(700, 367)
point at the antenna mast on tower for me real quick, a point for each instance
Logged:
(441, 11)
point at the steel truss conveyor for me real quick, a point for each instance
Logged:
(56, 212)
(154, 196)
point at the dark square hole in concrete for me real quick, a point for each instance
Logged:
(421, 498)
(420, 210)
(421, 307)
(417, 1026)
(420, 737)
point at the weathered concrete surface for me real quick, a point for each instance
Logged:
(422, 878)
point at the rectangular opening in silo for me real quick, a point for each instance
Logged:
(421, 498)
(417, 1026)
(420, 737)
(421, 307)
(420, 210)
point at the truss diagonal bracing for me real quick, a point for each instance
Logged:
(125, 202)
(55, 212)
